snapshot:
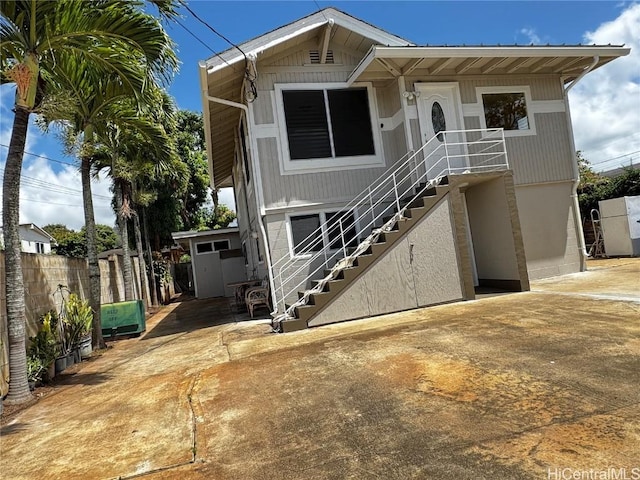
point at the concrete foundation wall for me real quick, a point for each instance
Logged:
(548, 229)
(421, 269)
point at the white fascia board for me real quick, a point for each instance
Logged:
(204, 93)
(465, 52)
(287, 32)
(261, 48)
(377, 51)
(362, 66)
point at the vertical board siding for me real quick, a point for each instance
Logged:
(542, 88)
(540, 158)
(388, 100)
(544, 157)
(282, 190)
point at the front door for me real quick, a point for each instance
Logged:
(439, 109)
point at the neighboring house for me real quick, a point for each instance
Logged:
(328, 127)
(33, 239)
(217, 259)
(614, 172)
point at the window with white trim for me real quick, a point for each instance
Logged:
(335, 226)
(507, 108)
(327, 126)
(212, 246)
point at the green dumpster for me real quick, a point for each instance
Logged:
(122, 318)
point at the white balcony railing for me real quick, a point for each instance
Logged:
(449, 152)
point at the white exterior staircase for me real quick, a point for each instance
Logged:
(384, 213)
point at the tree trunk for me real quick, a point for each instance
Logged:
(92, 255)
(152, 276)
(123, 223)
(14, 283)
(141, 262)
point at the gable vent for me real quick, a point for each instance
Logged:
(314, 56)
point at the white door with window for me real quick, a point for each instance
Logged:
(439, 110)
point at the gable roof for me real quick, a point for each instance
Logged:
(35, 228)
(280, 35)
(221, 76)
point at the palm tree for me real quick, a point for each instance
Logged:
(110, 35)
(134, 148)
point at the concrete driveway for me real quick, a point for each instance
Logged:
(541, 385)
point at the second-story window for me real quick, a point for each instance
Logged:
(328, 123)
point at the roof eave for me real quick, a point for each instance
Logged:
(385, 52)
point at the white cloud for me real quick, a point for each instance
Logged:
(47, 196)
(531, 34)
(605, 105)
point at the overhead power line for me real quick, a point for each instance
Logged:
(43, 185)
(199, 40)
(616, 158)
(43, 157)
(251, 78)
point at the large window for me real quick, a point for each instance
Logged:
(303, 228)
(507, 108)
(325, 127)
(328, 123)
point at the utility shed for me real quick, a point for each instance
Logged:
(216, 260)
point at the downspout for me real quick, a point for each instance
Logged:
(263, 232)
(582, 247)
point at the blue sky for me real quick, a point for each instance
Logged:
(604, 105)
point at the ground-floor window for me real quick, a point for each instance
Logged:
(307, 236)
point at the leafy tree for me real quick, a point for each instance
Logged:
(181, 195)
(592, 186)
(625, 184)
(72, 243)
(113, 36)
(213, 218)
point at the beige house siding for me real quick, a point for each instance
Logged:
(548, 230)
(302, 189)
(388, 100)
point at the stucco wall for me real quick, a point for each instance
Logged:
(548, 230)
(420, 270)
(491, 231)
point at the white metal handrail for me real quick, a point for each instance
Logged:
(384, 197)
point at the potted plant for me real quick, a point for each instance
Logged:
(35, 369)
(43, 344)
(78, 318)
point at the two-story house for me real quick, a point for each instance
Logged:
(373, 175)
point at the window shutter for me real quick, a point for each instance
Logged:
(351, 122)
(307, 128)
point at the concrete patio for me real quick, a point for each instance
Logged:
(529, 385)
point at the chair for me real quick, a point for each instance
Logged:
(257, 296)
